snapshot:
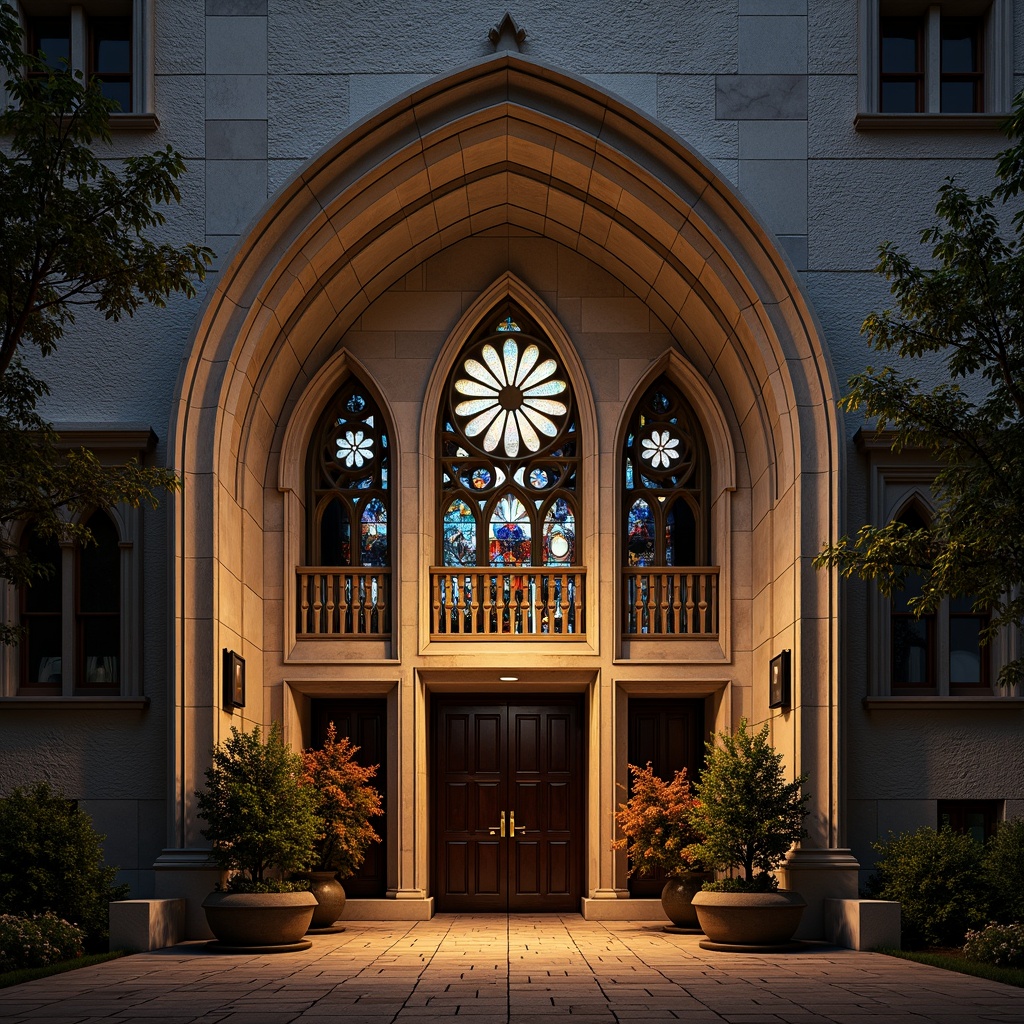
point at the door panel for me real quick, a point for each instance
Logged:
(364, 721)
(670, 734)
(522, 759)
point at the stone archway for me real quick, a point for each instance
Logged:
(502, 142)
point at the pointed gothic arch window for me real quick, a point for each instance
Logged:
(508, 451)
(666, 521)
(348, 519)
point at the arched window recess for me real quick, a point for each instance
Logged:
(508, 456)
(670, 587)
(345, 589)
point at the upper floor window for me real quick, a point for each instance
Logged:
(349, 499)
(105, 40)
(670, 587)
(508, 452)
(72, 617)
(939, 652)
(951, 59)
(345, 588)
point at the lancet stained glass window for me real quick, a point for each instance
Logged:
(508, 450)
(666, 475)
(349, 500)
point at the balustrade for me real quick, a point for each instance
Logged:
(670, 602)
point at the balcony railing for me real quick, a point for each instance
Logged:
(521, 603)
(670, 602)
(354, 603)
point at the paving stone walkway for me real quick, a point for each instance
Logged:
(519, 969)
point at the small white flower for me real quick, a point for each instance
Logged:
(355, 448)
(660, 449)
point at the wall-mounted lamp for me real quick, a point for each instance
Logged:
(234, 680)
(779, 681)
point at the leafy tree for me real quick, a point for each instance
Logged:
(345, 802)
(74, 231)
(51, 859)
(259, 814)
(747, 815)
(965, 307)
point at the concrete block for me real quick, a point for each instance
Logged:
(862, 924)
(236, 140)
(777, 189)
(236, 46)
(760, 97)
(235, 191)
(388, 910)
(236, 97)
(142, 925)
(772, 140)
(772, 45)
(623, 910)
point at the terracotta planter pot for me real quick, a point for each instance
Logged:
(676, 899)
(330, 898)
(259, 919)
(748, 920)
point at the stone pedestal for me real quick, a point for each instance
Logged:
(818, 875)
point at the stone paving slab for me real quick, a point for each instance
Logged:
(494, 969)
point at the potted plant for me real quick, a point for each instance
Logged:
(656, 832)
(746, 816)
(261, 820)
(344, 802)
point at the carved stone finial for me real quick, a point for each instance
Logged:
(507, 35)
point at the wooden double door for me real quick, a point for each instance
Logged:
(508, 802)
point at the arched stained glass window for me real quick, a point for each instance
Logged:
(666, 476)
(349, 500)
(508, 450)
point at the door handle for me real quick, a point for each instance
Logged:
(499, 829)
(513, 827)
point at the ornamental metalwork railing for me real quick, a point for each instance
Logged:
(529, 602)
(350, 602)
(670, 602)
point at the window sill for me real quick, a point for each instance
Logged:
(929, 122)
(933, 703)
(75, 703)
(134, 122)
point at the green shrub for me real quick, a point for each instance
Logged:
(259, 816)
(51, 859)
(1004, 871)
(999, 944)
(937, 879)
(37, 941)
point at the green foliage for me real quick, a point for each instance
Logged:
(74, 231)
(44, 482)
(345, 802)
(259, 814)
(51, 859)
(655, 822)
(37, 941)
(747, 815)
(999, 944)
(937, 878)
(241, 883)
(1004, 871)
(966, 306)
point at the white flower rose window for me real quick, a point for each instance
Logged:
(666, 477)
(508, 451)
(349, 501)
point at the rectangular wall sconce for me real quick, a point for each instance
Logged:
(779, 681)
(234, 680)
